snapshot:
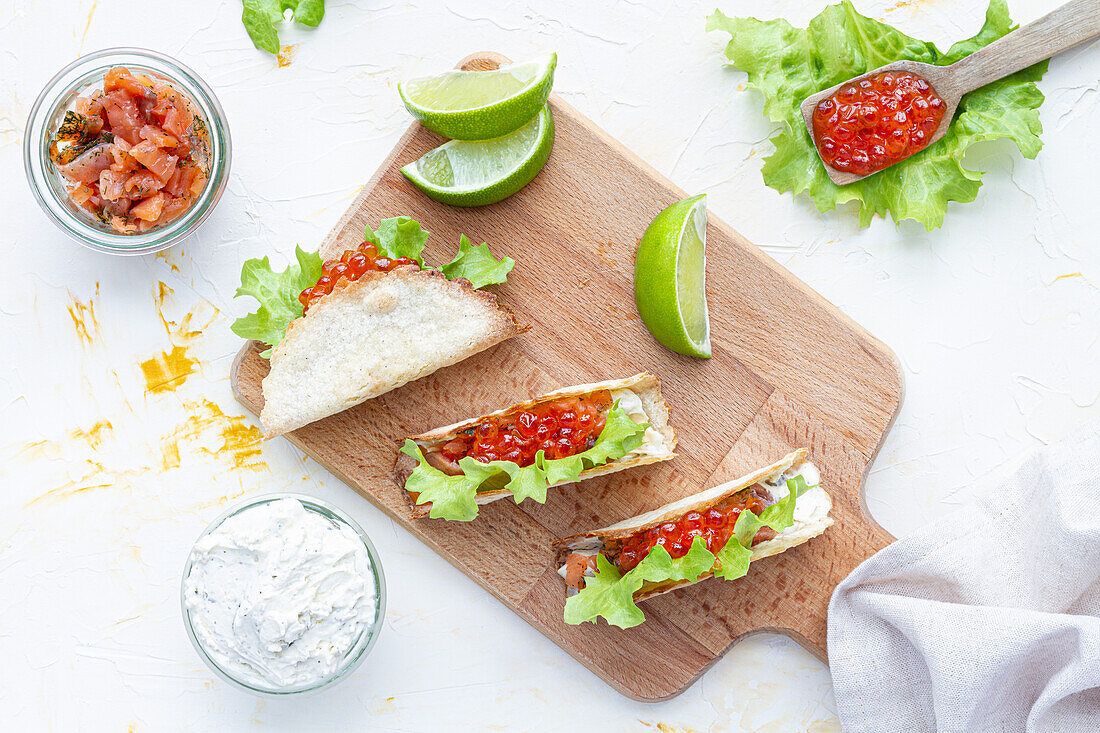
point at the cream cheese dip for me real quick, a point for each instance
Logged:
(279, 594)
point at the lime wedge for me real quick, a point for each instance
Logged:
(670, 278)
(464, 173)
(479, 105)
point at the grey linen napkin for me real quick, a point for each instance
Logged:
(986, 620)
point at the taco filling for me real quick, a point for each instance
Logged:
(715, 533)
(523, 450)
(560, 427)
(349, 267)
(714, 525)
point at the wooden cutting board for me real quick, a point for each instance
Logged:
(788, 370)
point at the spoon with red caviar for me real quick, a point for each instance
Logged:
(872, 121)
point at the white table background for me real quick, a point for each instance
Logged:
(993, 317)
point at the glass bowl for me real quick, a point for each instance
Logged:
(85, 74)
(356, 653)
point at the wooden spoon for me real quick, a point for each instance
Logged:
(1061, 29)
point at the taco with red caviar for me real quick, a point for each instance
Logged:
(367, 320)
(715, 533)
(568, 435)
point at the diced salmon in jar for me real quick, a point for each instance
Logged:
(81, 194)
(88, 165)
(161, 163)
(121, 78)
(180, 185)
(150, 208)
(123, 117)
(122, 224)
(159, 137)
(132, 152)
(142, 184)
(122, 160)
(111, 184)
(91, 106)
(173, 209)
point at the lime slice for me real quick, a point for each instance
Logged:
(479, 105)
(464, 173)
(670, 278)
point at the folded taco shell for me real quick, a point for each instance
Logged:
(649, 406)
(811, 516)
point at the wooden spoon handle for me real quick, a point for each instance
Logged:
(1075, 22)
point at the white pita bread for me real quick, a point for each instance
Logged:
(374, 335)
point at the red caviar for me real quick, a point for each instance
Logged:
(875, 122)
(350, 267)
(714, 525)
(561, 427)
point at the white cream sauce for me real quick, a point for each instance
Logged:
(631, 403)
(279, 594)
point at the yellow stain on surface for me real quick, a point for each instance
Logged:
(163, 255)
(84, 319)
(167, 370)
(88, 23)
(1068, 276)
(65, 491)
(227, 437)
(169, 454)
(100, 458)
(286, 55)
(94, 435)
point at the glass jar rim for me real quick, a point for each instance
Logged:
(44, 180)
(358, 650)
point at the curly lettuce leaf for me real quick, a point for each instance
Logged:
(606, 594)
(788, 64)
(260, 18)
(277, 294)
(399, 236)
(453, 497)
(477, 264)
(525, 482)
(610, 594)
(734, 557)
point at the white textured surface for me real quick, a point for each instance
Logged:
(994, 318)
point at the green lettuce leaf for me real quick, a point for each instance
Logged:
(733, 559)
(525, 482)
(453, 497)
(399, 236)
(606, 594)
(612, 593)
(477, 264)
(788, 64)
(445, 492)
(260, 18)
(308, 12)
(277, 293)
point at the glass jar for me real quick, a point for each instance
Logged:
(356, 653)
(49, 187)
